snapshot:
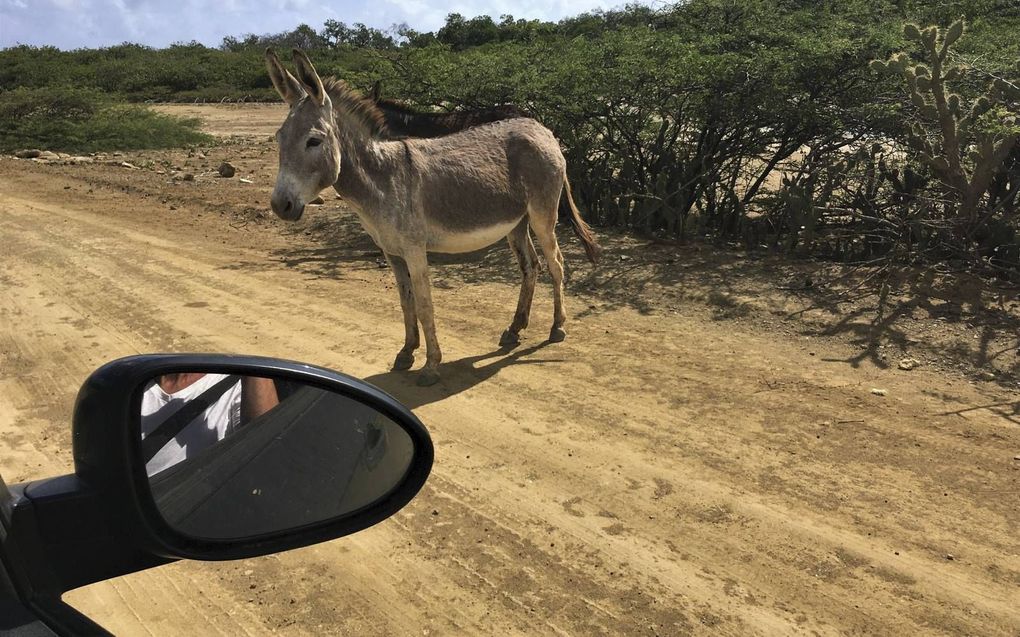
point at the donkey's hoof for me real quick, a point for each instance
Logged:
(557, 335)
(403, 361)
(509, 338)
(427, 377)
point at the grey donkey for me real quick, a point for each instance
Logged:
(413, 196)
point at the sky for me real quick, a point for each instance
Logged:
(72, 24)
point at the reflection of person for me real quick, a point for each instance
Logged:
(350, 456)
(182, 414)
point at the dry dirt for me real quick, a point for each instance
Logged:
(694, 459)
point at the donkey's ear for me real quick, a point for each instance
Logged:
(377, 91)
(308, 76)
(286, 84)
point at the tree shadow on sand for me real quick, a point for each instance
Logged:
(879, 310)
(456, 376)
(1007, 410)
(911, 306)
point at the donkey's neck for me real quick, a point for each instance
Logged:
(368, 168)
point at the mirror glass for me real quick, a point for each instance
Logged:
(231, 457)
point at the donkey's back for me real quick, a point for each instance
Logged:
(509, 153)
(477, 184)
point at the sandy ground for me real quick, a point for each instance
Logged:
(683, 464)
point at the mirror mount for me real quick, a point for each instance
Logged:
(45, 559)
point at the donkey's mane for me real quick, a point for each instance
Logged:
(507, 110)
(361, 108)
(404, 121)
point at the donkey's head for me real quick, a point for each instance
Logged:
(309, 140)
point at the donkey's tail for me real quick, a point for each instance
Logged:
(581, 229)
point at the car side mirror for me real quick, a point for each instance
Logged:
(263, 455)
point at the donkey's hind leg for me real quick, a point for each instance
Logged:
(522, 247)
(545, 233)
(405, 357)
(418, 268)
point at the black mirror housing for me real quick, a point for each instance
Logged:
(103, 522)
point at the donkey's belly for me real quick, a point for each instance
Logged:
(449, 241)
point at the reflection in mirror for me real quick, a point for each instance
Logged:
(230, 457)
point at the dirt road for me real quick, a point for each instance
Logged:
(659, 473)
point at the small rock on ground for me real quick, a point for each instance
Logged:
(908, 364)
(227, 170)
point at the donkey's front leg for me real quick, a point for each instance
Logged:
(405, 357)
(418, 267)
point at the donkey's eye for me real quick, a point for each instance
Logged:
(313, 142)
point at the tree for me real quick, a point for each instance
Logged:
(460, 33)
(336, 34)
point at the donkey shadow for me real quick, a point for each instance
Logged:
(455, 376)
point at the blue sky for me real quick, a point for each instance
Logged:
(70, 24)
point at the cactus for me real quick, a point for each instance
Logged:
(795, 197)
(966, 155)
(954, 33)
(953, 101)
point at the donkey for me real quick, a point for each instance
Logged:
(403, 121)
(449, 194)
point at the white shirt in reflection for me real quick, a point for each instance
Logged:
(215, 423)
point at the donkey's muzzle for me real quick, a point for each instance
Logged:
(286, 207)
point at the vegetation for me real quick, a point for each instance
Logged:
(962, 149)
(819, 127)
(82, 120)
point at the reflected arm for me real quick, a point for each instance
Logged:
(258, 395)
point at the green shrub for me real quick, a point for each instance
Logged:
(85, 120)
